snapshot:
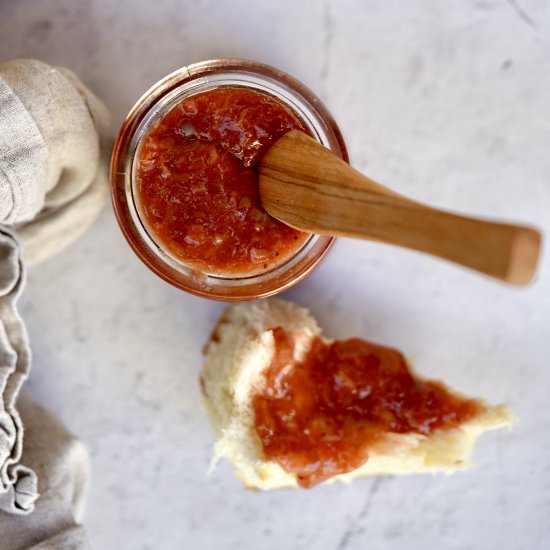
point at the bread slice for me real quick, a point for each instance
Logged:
(242, 346)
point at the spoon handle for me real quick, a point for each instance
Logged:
(335, 199)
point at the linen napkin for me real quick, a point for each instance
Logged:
(54, 143)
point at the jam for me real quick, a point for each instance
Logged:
(319, 417)
(197, 182)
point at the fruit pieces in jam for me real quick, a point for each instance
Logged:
(319, 417)
(197, 182)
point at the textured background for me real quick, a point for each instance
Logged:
(448, 102)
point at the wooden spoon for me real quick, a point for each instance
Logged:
(306, 186)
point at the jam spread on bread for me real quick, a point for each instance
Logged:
(321, 416)
(197, 182)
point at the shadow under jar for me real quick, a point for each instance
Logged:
(185, 185)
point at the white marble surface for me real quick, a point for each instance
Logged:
(447, 101)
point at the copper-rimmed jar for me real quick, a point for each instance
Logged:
(152, 107)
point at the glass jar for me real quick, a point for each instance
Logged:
(158, 101)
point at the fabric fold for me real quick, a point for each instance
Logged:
(18, 484)
(55, 141)
(54, 151)
(61, 463)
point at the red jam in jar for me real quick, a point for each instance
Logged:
(197, 182)
(319, 417)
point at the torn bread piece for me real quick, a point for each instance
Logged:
(293, 409)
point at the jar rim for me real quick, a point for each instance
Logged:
(162, 97)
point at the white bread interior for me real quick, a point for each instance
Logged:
(241, 347)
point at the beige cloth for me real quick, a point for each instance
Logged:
(54, 142)
(53, 169)
(62, 466)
